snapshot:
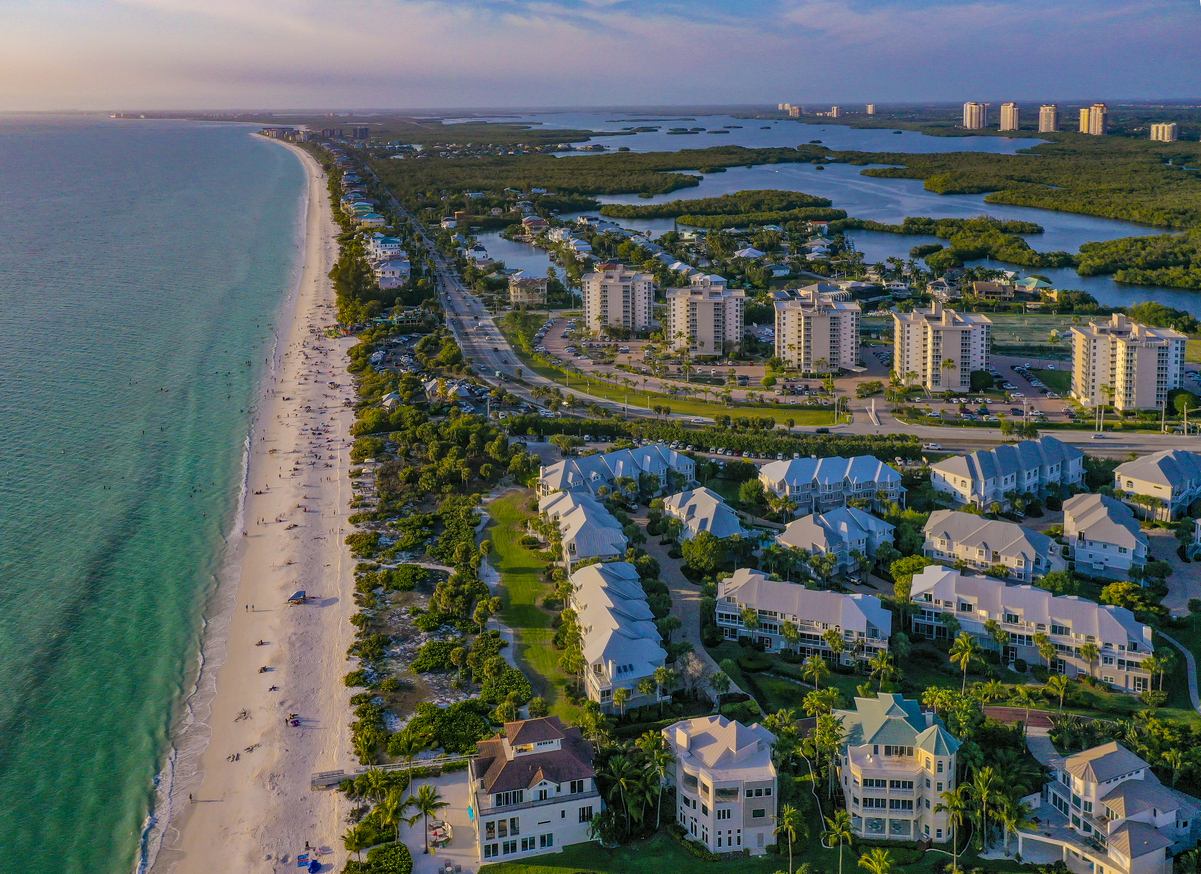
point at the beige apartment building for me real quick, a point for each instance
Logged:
(725, 783)
(871, 109)
(835, 112)
(529, 292)
(939, 348)
(1009, 116)
(975, 116)
(1048, 118)
(1165, 133)
(617, 297)
(816, 333)
(895, 763)
(1094, 120)
(1125, 364)
(707, 319)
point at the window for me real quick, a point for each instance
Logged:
(1060, 629)
(490, 830)
(508, 847)
(939, 769)
(527, 844)
(576, 786)
(503, 828)
(504, 799)
(724, 813)
(515, 825)
(704, 809)
(490, 851)
(586, 814)
(758, 813)
(545, 841)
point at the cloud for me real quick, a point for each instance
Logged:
(409, 53)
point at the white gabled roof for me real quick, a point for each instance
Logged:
(823, 532)
(994, 535)
(596, 470)
(854, 612)
(830, 471)
(1103, 519)
(704, 510)
(1105, 622)
(1003, 461)
(1175, 468)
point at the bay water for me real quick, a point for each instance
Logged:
(143, 265)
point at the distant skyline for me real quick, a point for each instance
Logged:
(262, 54)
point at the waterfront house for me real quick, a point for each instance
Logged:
(533, 790)
(725, 781)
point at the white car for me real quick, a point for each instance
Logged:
(932, 446)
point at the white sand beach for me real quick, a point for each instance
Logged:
(256, 812)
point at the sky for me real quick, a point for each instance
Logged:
(407, 54)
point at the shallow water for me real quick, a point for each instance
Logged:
(143, 265)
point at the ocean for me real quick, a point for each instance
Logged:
(142, 267)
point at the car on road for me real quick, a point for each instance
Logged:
(698, 421)
(1099, 437)
(932, 446)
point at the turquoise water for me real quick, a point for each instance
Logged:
(142, 266)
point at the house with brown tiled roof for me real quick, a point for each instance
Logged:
(533, 790)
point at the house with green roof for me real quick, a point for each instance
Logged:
(895, 761)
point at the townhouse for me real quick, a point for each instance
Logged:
(1110, 814)
(895, 762)
(621, 645)
(989, 476)
(840, 532)
(1104, 538)
(1025, 612)
(860, 621)
(1170, 480)
(820, 484)
(703, 510)
(589, 474)
(586, 528)
(533, 790)
(954, 536)
(725, 781)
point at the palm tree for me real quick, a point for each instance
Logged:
(391, 810)
(1046, 648)
(984, 788)
(662, 678)
(427, 802)
(955, 805)
(839, 828)
(881, 665)
(1014, 816)
(1023, 697)
(377, 783)
(407, 747)
(877, 861)
(620, 696)
(661, 760)
(1058, 685)
(964, 652)
(622, 774)
(355, 840)
(1091, 654)
(815, 670)
(790, 825)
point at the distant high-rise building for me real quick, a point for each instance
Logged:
(924, 341)
(1094, 120)
(1165, 133)
(835, 112)
(975, 116)
(617, 297)
(1048, 118)
(1009, 116)
(871, 109)
(362, 133)
(783, 107)
(796, 111)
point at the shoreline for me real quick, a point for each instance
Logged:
(258, 808)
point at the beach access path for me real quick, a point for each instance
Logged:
(244, 804)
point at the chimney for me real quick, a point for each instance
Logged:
(683, 737)
(929, 719)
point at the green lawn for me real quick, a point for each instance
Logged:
(523, 589)
(662, 855)
(1192, 349)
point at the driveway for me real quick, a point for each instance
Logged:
(1185, 579)
(685, 599)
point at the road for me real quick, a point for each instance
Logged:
(483, 343)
